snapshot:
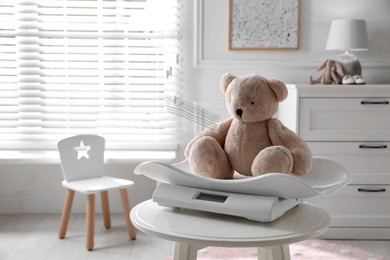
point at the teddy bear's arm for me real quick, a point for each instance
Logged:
(218, 132)
(281, 135)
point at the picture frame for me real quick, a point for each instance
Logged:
(264, 24)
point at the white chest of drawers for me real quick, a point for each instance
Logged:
(350, 124)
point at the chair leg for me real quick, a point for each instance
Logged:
(66, 213)
(126, 211)
(106, 209)
(90, 221)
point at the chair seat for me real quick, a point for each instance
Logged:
(98, 184)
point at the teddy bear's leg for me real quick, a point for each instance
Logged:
(272, 159)
(207, 158)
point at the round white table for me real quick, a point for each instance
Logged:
(192, 230)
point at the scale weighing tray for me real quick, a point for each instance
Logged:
(262, 198)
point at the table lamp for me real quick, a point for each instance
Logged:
(348, 35)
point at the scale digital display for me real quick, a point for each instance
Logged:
(211, 197)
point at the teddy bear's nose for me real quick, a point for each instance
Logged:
(239, 112)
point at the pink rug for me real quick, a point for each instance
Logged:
(305, 250)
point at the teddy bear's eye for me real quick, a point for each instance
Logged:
(252, 102)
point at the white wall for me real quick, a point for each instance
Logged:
(36, 187)
(211, 57)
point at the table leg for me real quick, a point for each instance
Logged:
(184, 251)
(281, 252)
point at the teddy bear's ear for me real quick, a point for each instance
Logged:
(339, 68)
(322, 65)
(279, 89)
(226, 79)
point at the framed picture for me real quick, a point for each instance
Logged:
(263, 24)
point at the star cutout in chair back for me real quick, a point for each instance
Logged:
(82, 150)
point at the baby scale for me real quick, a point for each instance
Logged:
(262, 198)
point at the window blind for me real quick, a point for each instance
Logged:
(89, 66)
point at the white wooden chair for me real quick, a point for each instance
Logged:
(82, 161)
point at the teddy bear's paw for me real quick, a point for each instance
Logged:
(207, 158)
(272, 159)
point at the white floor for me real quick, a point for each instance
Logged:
(35, 237)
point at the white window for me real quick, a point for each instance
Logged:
(89, 67)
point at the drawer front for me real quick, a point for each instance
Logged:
(367, 162)
(358, 206)
(344, 119)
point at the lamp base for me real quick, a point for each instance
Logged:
(350, 63)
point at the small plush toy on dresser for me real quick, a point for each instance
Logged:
(250, 142)
(335, 72)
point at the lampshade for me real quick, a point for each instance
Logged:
(347, 35)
